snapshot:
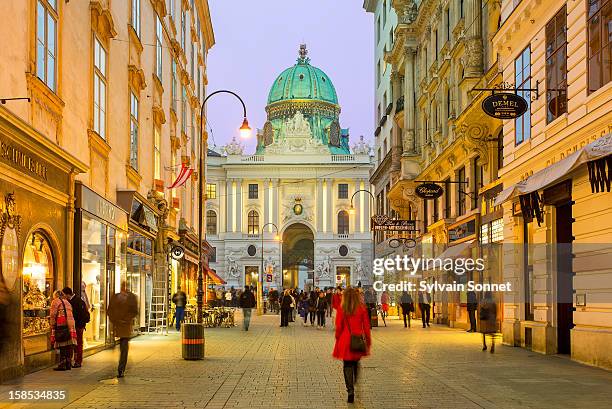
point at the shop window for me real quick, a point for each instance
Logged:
(484, 234)
(211, 191)
(599, 44)
(556, 66)
(46, 42)
(253, 190)
(211, 222)
(93, 277)
(343, 222)
(38, 287)
(497, 230)
(139, 272)
(343, 189)
(253, 222)
(522, 79)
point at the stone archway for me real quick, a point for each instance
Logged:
(298, 256)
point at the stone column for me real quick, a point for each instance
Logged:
(409, 103)
(275, 202)
(239, 210)
(266, 206)
(357, 227)
(229, 199)
(319, 205)
(396, 131)
(329, 189)
(473, 39)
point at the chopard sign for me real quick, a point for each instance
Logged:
(23, 160)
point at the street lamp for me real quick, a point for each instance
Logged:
(261, 273)
(244, 132)
(352, 211)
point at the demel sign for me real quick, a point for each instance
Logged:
(505, 105)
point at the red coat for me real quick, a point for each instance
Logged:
(336, 301)
(360, 324)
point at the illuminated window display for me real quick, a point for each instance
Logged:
(139, 272)
(38, 286)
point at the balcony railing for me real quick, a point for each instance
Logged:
(253, 158)
(343, 236)
(342, 158)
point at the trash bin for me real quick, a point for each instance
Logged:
(374, 317)
(192, 338)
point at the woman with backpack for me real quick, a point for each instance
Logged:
(353, 338)
(63, 330)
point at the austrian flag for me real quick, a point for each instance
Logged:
(182, 177)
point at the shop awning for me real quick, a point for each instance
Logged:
(456, 251)
(214, 277)
(597, 152)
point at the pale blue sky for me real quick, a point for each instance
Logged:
(257, 39)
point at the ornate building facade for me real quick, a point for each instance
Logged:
(295, 196)
(111, 94)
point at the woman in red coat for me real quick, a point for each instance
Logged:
(351, 319)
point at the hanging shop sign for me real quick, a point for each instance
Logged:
(177, 252)
(429, 191)
(381, 222)
(504, 105)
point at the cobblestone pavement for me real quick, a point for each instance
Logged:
(272, 367)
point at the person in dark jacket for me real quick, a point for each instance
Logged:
(425, 307)
(407, 307)
(351, 320)
(246, 302)
(304, 306)
(122, 309)
(180, 301)
(488, 320)
(285, 304)
(472, 306)
(314, 295)
(81, 318)
(328, 297)
(321, 310)
(370, 301)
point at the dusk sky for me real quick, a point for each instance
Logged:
(257, 40)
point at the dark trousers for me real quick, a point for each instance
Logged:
(65, 356)
(285, 317)
(124, 346)
(472, 315)
(406, 314)
(179, 315)
(77, 350)
(329, 310)
(425, 308)
(371, 306)
(351, 370)
(321, 318)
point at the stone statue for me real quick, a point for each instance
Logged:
(232, 266)
(233, 148)
(362, 147)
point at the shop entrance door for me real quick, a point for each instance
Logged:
(343, 276)
(565, 278)
(251, 275)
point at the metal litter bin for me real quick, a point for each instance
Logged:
(192, 338)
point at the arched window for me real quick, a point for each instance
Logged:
(343, 222)
(211, 222)
(253, 220)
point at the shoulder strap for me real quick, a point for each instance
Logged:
(348, 325)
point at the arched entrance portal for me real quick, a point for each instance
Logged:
(298, 256)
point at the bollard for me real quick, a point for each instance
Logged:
(192, 338)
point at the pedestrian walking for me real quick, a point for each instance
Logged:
(304, 308)
(63, 330)
(81, 318)
(285, 305)
(247, 303)
(321, 310)
(370, 301)
(407, 307)
(180, 301)
(488, 320)
(122, 309)
(472, 306)
(228, 299)
(328, 297)
(425, 307)
(384, 301)
(353, 339)
(312, 308)
(337, 298)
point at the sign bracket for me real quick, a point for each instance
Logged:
(505, 87)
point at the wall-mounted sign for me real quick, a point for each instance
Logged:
(429, 191)
(463, 230)
(381, 222)
(177, 252)
(504, 105)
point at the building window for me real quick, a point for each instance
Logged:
(599, 43)
(211, 222)
(497, 230)
(556, 66)
(136, 16)
(461, 9)
(436, 43)
(343, 191)
(183, 29)
(46, 42)
(157, 163)
(193, 57)
(384, 13)
(211, 191)
(212, 256)
(171, 7)
(448, 24)
(99, 94)
(447, 198)
(253, 191)
(193, 132)
(478, 180)
(173, 89)
(159, 34)
(343, 222)
(460, 191)
(484, 234)
(377, 30)
(522, 74)
(253, 222)
(133, 131)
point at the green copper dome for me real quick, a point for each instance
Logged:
(303, 81)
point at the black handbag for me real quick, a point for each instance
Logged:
(62, 332)
(358, 342)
